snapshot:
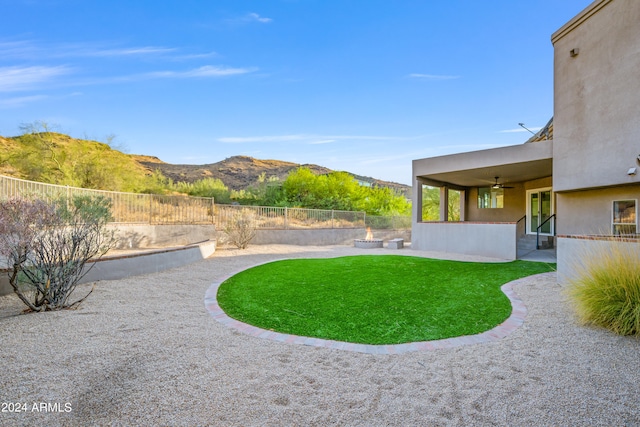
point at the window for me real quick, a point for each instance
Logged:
(431, 204)
(454, 205)
(489, 198)
(624, 217)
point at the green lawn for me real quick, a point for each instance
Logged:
(374, 299)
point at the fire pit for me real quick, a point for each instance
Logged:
(368, 242)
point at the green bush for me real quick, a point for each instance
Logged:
(607, 293)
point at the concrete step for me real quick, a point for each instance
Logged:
(529, 242)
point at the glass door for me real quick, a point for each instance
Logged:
(540, 208)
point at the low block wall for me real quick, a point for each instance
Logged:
(121, 266)
(496, 240)
(320, 237)
(575, 252)
(141, 236)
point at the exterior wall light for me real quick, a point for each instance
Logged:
(574, 52)
(631, 171)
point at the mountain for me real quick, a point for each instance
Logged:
(57, 158)
(239, 172)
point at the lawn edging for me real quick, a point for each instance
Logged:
(511, 324)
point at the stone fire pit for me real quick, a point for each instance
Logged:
(367, 243)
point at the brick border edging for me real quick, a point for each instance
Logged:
(600, 237)
(513, 322)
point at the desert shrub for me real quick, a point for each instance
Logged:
(207, 187)
(47, 246)
(607, 293)
(241, 228)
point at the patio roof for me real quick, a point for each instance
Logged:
(516, 163)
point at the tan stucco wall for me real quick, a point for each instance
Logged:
(538, 183)
(574, 255)
(589, 212)
(489, 240)
(514, 206)
(515, 202)
(596, 107)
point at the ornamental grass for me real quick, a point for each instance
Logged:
(607, 293)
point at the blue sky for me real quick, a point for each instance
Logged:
(363, 86)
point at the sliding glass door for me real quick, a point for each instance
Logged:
(539, 209)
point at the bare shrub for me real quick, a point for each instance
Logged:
(241, 228)
(47, 246)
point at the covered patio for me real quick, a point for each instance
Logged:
(506, 197)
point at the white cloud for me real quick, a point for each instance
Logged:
(305, 138)
(132, 51)
(205, 71)
(275, 138)
(257, 18)
(17, 49)
(195, 56)
(28, 49)
(323, 141)
(432, 77)
(518, 130)
(24, 78)
(20, 101)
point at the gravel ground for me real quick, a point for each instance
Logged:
(144, 351)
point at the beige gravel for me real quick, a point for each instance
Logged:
(144, 351)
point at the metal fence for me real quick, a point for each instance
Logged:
(388, 222)
(283, 218)
(125, 207)
(158, 209)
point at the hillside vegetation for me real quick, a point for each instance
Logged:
(45, 156)
(59, 159)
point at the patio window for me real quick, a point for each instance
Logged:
(490, 198)
(624, 217)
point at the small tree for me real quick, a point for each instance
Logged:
(47, 246)
(241, 229)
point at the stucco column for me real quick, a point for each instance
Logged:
(444, 203)
(463, 204)
(417, 200)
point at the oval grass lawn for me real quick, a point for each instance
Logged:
(374, 299)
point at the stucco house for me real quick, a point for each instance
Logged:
(576, 183)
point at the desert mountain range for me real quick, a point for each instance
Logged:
(239, 172)
(22, 155)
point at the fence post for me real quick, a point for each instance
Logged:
(332, 226)
(286, 223)
(150, 209)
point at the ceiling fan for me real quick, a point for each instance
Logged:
(498, 185)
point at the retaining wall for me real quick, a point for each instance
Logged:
(320, 237)
(120, 266)
(187, 236)
(576, 252)
(141, 236)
